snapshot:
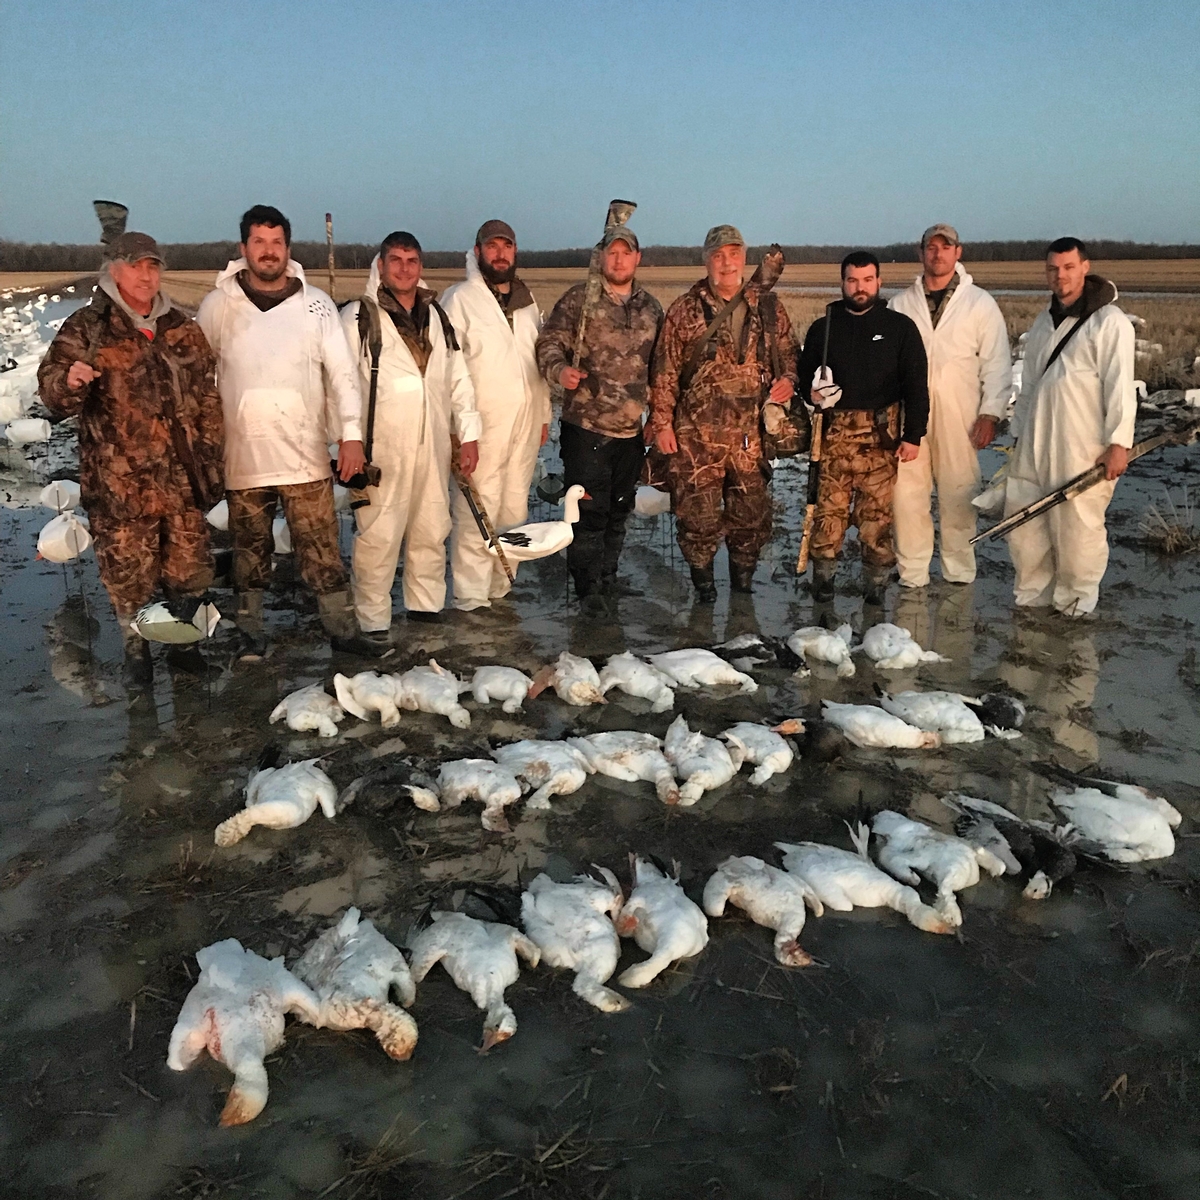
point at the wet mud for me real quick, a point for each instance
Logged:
(1051, 1049)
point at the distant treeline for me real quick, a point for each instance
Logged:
(205, 256)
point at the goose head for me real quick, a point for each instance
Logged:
(500, 1025)
(575, 493)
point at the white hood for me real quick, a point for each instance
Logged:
(474, 274)
(227, 279)
(375, 280)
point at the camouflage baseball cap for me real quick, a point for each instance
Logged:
(722, 235)
(495, 229)
(133, 247)
(621, 233)
(943, 231)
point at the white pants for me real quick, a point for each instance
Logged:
(1060, 557)
(947, 458)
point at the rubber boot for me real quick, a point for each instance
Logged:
(824, 569)
(741, 578)
(705, 585)
(592, 602)
(138, 668)
(613, 587)
(875, 584)
(340, 623)
(249, 619)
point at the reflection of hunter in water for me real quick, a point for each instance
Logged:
(71, 636)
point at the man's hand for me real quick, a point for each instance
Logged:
(81, 374)
(664, 439)
(351, 460)
(983, 432)
(545, 435)
(782, 390)
(1115, 460)
(468, 459)
(570, 378)
(907, 452)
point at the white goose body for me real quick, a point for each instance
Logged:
(1131, 826)
(481, 958)
(936, 712)
(868, 726)
(573, 678)
(701, 668)
(310, 709)
(813, 643)
(769, 897)
(368, 692)
(494, 786)
(433, 689)
(539, 539)
(911, 849)
(554, 768)
(701, 762)
(235, 1011)
(757, 744)
(572, 925)
(631, 675)
(352, 968)
(281, 798)
(662, 920)
(892, 648)
(632, 756)
(505, 684)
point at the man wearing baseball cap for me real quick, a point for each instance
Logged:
(604, 402)
(705, 411)
(970, 383)
(496, 321)
(140, 376)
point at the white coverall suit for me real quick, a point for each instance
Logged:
(1066, 417)
(514, 404)
(970, 374)
(411, 506)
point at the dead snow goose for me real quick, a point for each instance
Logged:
(936, 712)
(812, 643)
(573, 678)
(868, 726)
(763, 747)
(700, 668)
(892, 648)
(506, 684)
(701, 762)
(310, 709)
(631, 675)
(631, 756)
(663, 921)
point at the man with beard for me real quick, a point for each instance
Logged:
(875, 395)
(497, 324)
(605, 398)
(277, 341)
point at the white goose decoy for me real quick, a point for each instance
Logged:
(936, 712)
(281, 798)
(368, 692)
(352, 968)
(554, 768)
(814, 644)
(433, 689)
(868, 726)
(631, 756)
(235, 1011)
(892, 648)
(770, 897)
(700, 668)
(572, 925)
(506, 684)
(492, 785)
(701, 762)
(573, 678)
(1123, 822)
(481, 958)
(763, 747)
(631, 675)
(662, 920)
(844, 879)
(911, 849)
(540, 539)
(309, 709)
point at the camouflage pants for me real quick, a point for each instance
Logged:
(857, 480)
(312, 523)
(720, 491)
(134, 555)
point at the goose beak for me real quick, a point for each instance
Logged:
(586, 496)
(541, 681)
(492, 1038)
(791, 726)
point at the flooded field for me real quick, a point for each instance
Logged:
(1051, 1049)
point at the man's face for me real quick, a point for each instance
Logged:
(860, 286)
(401, 269)
(619, 262)
(497, 259)
(1065, 274)
(726, 266)
(138, 281)
(939, 257)
(266, 252)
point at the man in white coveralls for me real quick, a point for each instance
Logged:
(497, 323)
(970, 381)
(423, 394)
(1076, 408)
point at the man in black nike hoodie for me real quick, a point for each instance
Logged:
(875, 396)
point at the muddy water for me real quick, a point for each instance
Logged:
(1050, 1050)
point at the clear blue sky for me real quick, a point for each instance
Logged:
(801, 122)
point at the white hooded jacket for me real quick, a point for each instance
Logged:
(272, 372)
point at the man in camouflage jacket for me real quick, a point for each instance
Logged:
(706, 417)
(600, 436)
(140, 376)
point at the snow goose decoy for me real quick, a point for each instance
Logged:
(701, 762)
(505, 684)
(662, 920)
(280, 798)
(554, 768)
(631, 756)
(812, 643)
(310, 709)
(936, 712)
(868, 726)
(494, 786)
(177, 622)
(700, 668)
(763, 747)
(573, 678)
(631, 675)
(892, 648)
(540, 539)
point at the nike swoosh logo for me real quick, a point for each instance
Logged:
(877, 338)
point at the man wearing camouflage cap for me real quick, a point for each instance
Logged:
(706, 399)
(604, 402)
(140, 376)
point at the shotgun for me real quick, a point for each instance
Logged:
(814, 458)
(619, 212)
(329, 243)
